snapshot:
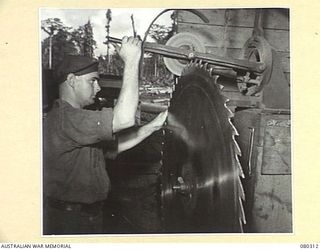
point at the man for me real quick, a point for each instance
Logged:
(75, 179)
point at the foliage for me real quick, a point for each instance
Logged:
(83, 39)
(62, 42)
(51, 25)
(65, 40)
(160, 33)
(154, 68)
(113, 67)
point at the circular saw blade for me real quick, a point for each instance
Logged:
(200, 186)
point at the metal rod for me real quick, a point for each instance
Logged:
(178, 53)
(133, 27)
(251, 140)
(258, 29)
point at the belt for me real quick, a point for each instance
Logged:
(90, 209)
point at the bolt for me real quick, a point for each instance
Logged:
(176, 187)
(262, 67)
(191, 55)
(180, 180)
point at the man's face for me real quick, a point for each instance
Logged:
(86, 87)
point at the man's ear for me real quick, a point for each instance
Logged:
(71, 79)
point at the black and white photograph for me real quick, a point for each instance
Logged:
(165, 121)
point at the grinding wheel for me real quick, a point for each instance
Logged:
(183, 40)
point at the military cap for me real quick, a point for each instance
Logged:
(76, 64)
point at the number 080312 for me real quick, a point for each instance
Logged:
(309, 246)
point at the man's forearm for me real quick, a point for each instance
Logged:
(126, 106)
(133, 137)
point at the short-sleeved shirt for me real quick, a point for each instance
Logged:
(73, 162)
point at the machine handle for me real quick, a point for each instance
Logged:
(178, 53)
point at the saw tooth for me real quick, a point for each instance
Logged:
(241, 173)
(243, 216)
(211, 71)
(241, 227)
(225, 99)
(205, 66)
(236, 146)
(230, 113)
(216, 77)
(200, 63)
(241, 190)
(235, 131)
(233, 128)
(220, 86)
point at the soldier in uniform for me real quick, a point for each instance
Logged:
(75, 180)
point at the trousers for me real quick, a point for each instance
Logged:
(63, 218)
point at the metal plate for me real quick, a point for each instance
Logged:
(277, 145)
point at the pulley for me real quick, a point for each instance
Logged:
(183, 40)
(256, 49)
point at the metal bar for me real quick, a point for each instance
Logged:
(173, 52)
(276, 111)
(152, 108)
(133, 27)
(258, 29)
(231, 26)
(251, 140)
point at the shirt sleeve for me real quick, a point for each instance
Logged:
(86, 127)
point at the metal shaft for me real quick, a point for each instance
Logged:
(178, 53)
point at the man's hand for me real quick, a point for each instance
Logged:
(134, 136)
(158, 122)
(130, 50)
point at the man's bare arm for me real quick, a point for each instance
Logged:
(132, 137)
(126, 106)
